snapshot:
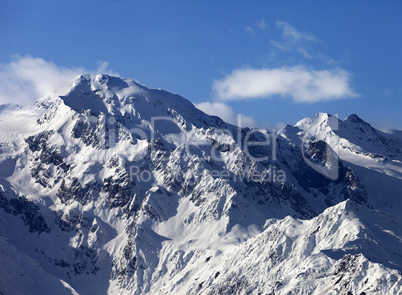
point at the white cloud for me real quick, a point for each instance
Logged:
(297, 82)
(226, 113)
(28, 78)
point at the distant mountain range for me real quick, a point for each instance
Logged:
(114, 188)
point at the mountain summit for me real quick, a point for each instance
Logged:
(112, 95)
(114, 188)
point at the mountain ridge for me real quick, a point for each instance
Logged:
(138, 192)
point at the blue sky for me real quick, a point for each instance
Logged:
(272, 61)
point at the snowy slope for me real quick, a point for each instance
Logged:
(114, 188)
(334, 253)
(371, 153)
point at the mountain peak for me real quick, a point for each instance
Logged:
(124, 98)
(109, 94)
(320, 119)
(354, 119)
(322, 115)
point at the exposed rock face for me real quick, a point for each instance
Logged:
(27, 210)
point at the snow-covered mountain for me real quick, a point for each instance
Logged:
(114, 188)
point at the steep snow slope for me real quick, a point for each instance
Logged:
(114, 188)
(335, 253)
(371, 153)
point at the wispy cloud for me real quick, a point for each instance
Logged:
(259, 25)
(27, 78)
(299, 83)
(249, 30)
(387, 92)
(262, 24)
(290, 33)
(226, 113)
(293, 39)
